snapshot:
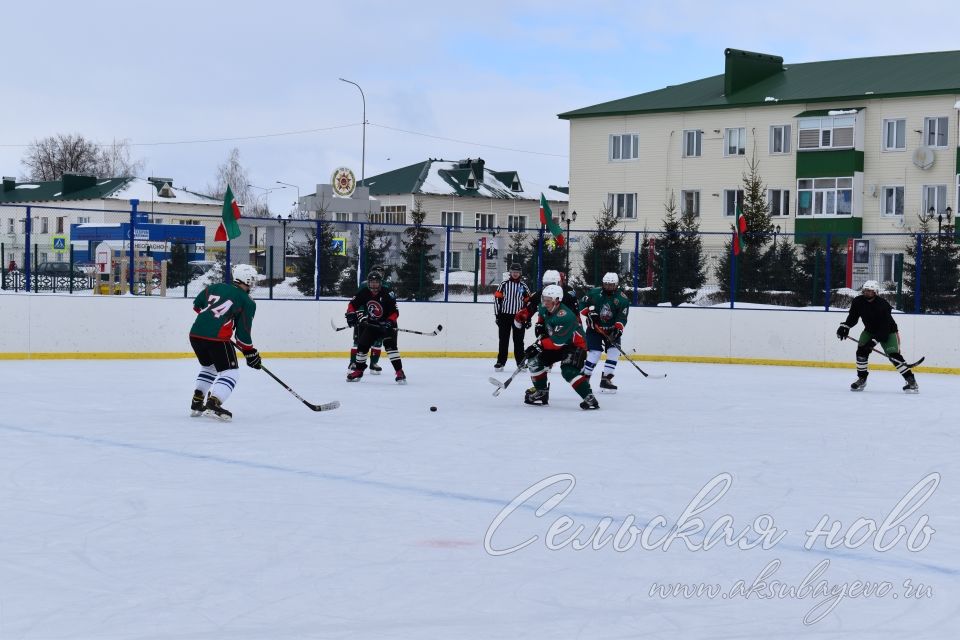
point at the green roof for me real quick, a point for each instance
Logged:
(403, 180)
(761, 80)
(69, 188)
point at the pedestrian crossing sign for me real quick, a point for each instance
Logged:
(59, 244)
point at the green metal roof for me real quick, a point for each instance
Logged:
(834, 80)
(811, 113)
(67, 189)
(403, 180)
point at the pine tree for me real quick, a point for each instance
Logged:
(679, 261)
(752, 263)
(939, 271)
(332, 265)
(521, 252)
(601, 253)
(415, 277)
(178, 270)
(783, 272)
(811, 279)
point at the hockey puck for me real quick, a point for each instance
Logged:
(433, 408)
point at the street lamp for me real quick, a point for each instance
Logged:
(568, 219)
(266, 194)
(363, 157)
(949, 212)
(298, 194)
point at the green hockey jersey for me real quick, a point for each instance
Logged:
(611, 308)
(223, 309)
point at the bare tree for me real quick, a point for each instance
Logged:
(51, 157)
(235, 174)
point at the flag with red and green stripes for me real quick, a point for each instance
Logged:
(228, 227)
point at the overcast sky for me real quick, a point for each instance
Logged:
(187, 81)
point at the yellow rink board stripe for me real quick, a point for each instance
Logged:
(106, 355)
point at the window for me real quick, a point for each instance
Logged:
(780, 138)
(734, 142)
(833, 132)
(341, 216)
(515, 185)
(624, 146)
(692, 143)
(186, 222)
(516, 223)
(471, 182)
(454, 261)
(690, 202)
(452, 219)
(825, 197)
(895, 134)
(391, 214)
(892, 203)
(622, 205)
(60, 220)
(86, 220)
(10, 226)
(732, 200)
(486, 221)
(934, 196)
(935, 132)
(44, 225)
(778, 200)
(157, 220)
(888, 266)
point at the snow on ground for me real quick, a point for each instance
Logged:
(125, 518)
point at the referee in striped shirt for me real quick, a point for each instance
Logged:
(511, 296)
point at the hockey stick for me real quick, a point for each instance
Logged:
(652, 376)
(893, 361)
(326, 406)
(500, 386)
(423, 333)
(335, 327)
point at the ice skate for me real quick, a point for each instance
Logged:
(498, 366)
(401, 377)
(214, 409)
(375, 369)
(859, 384)
(357, 373)
(606, 383)
(197, 404)
(589, 402)
(536, 396)
(911, 386)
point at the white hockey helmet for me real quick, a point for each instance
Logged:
(245, 274)
(551, 276)
(873, 285)
(554, 292)
(611, 278)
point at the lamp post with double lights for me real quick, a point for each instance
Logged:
(568, 219)
(287, 184)
(363, 156)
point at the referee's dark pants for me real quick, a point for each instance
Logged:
(505, 325)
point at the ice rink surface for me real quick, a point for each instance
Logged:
(125, 518)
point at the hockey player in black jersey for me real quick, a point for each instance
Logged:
(879, 328)
(550, 276)
(374, 311)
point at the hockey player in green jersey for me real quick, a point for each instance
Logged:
(222, 310)
(605, 309)
(561, 341)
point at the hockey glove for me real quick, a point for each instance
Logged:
(253, 358)
(843, 331)
(353, 318)
(532, 351)
(540, 330)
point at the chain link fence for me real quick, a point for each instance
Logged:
(99, 252)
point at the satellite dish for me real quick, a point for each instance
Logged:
(923, 158)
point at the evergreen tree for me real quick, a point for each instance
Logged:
(753, 261)
(332, 265)
(812, 269)
(415, 277)
(938, 255)
(783, 273)
(376, 247)
(553, 256)
(679, 261)
(601, 253)
(520, 251)
(178, 269)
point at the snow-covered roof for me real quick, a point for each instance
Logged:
(446, 178)
(145, 191)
